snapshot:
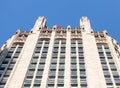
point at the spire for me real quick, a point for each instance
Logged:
(40, 23)
(85, 24)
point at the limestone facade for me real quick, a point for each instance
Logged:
(60, 58)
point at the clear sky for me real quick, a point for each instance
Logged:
(22, 14)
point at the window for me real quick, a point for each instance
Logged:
(108, 54)
(82, 78)
(82, 72)
(62, 59)
(74, 80)
(54, 60)
(26, 86)
(51, 79)
(54, 55)
(60, 86)
(41, 65)
(43, 54)
(31, 71)
(40, 72)
(28, 79)
(100, 49)
(81, 61)
(61, 72)
(45, 49)
(62, 49)
(83, 85)
(73, 66)
(38, 79)
(37, 50)
(82, 66)
(39, 42)
(81, 54)
(4, 79)
(80, 49)
(61, 65)
(60, 79)
(101, 54)
(55, 49)
(73, 71)
(74, 86)
(36, 86)
(73, 59)
(73, 49)
(52, 72)
(50, 86)
(62, 54)
(73, 54)
(19, 49)
(109, 84)
(2, 85)
(63, 41)
(34, 59)
(9, 55)
(12, 49)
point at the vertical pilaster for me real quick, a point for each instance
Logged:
(113, 52)
(48, 60)
(77, 59)
(95, 77)
(58, 60)
(7, 46)
(67, 60)
(21, 66)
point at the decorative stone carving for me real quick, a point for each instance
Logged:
(45, 33)
(21, 38)
(100, 37)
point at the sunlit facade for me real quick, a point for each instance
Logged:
(60, 57)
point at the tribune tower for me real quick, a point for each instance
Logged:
(60, 57)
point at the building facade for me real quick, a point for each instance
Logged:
(60, 58)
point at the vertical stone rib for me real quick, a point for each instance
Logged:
(24, 61)
(48, 60)
(95, 77)
(67, 61)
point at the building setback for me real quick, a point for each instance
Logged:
(60, 58)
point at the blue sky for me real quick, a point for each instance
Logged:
(22, 14)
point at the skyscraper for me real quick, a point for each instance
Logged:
(60, 58)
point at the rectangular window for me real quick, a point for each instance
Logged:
(28, 79)
(73, 71)
(50, 86)
(40, 72)
(60, 79)
(61, 72)
(51, 79)
(73, 79)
